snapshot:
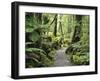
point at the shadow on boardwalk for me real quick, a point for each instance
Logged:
(61, 58)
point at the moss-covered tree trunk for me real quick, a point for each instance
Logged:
(77, 31)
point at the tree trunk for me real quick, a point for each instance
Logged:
(55, 28)
(77, 31)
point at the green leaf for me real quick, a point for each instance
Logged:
(35, 50)
(29, 49)
(28, 30)
(34, 36)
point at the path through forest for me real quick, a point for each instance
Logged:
(61, 58)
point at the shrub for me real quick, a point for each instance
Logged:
(80, 59)
(51, 55)
(56, 43)
(37, 58)
(79, 53)
(32, 62)
(46, 46)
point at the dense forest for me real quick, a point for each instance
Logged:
(46, 33)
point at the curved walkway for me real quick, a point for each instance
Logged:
(61, 58)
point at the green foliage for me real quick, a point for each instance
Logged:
(45, 19)
(80, 59)
(51, 55)
(59, 42)
(35, 50)
(34, 36)
(47, 46)
(30, 23)
(32, 62)
(79, 53)
(56, 42)
(46, 33)
(29, 30)
(45, 61)
(79, 48)
(37, 57)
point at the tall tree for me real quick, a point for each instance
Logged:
(77, 31)
(55, 27)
